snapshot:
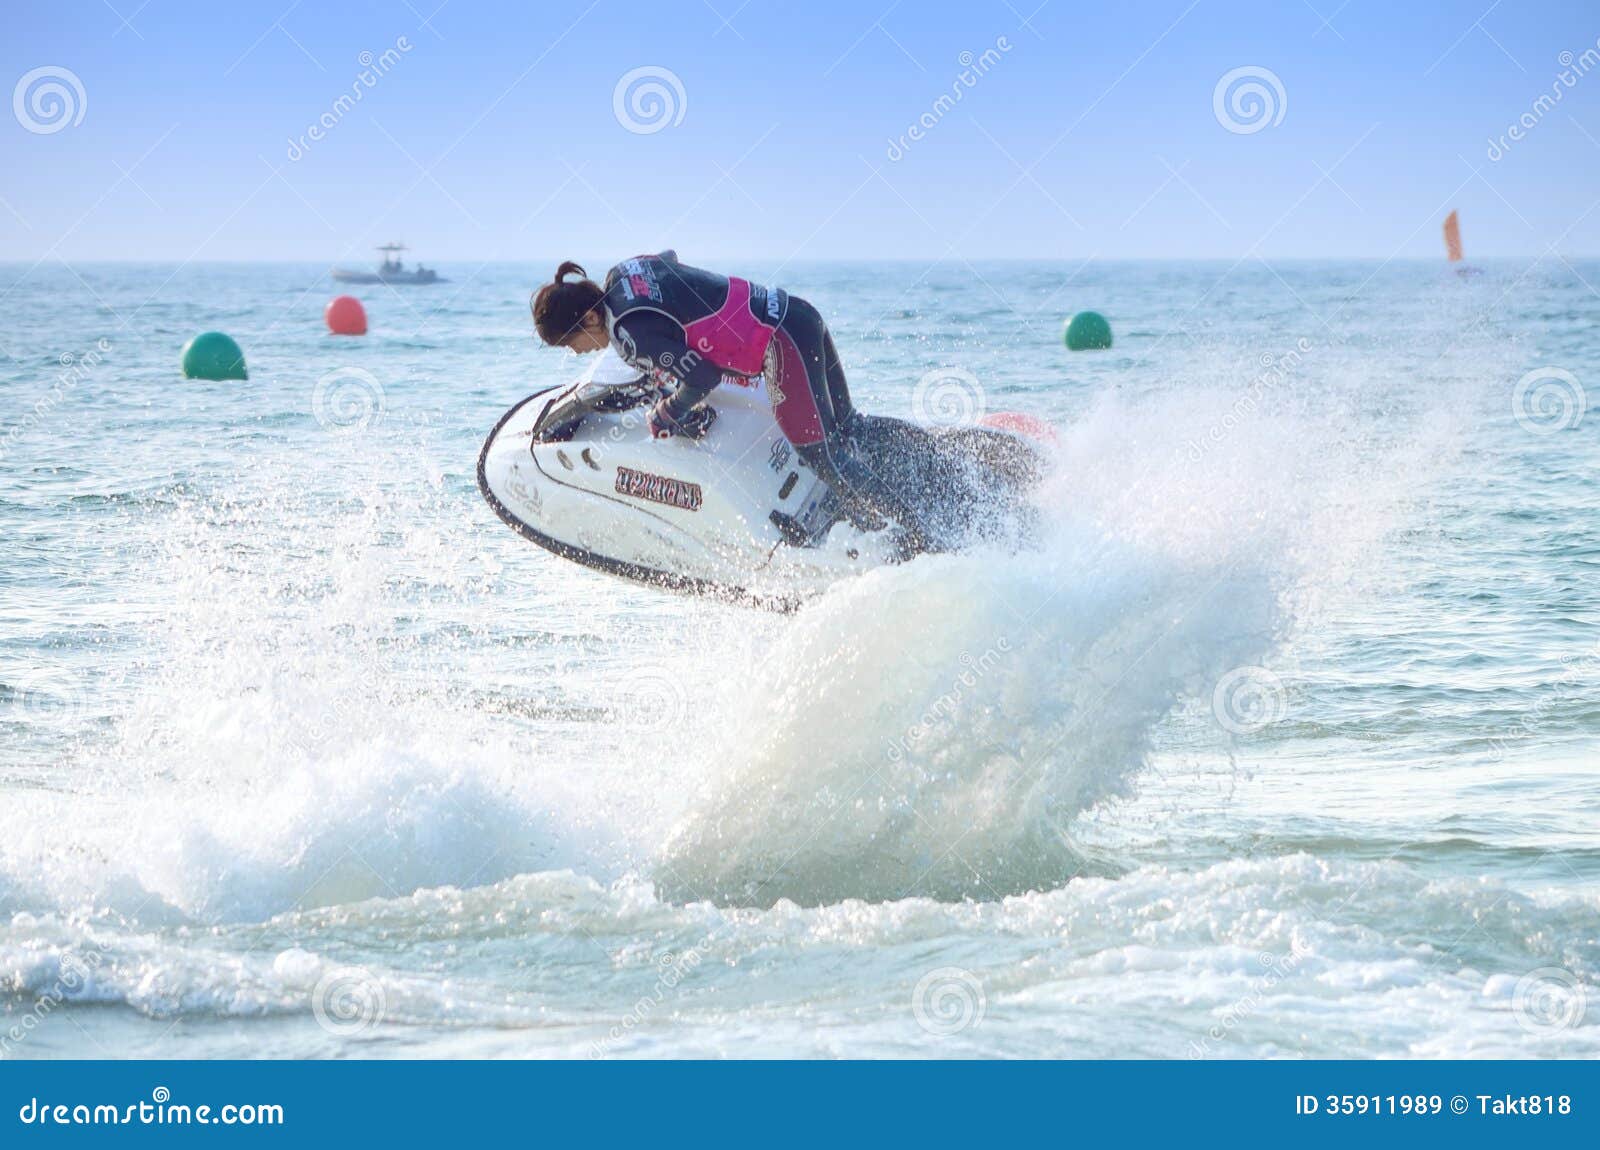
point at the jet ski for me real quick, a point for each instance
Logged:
(736, 515)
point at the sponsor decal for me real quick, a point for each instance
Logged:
(733, 379)
(523, 494)
(768, 301)
(678, 493)
(626, 347)
(639, 281)
(778, 459)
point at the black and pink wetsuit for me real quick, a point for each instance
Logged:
(667, 318)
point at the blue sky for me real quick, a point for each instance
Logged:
(1093, 132)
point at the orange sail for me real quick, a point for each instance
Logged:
(1452, 237)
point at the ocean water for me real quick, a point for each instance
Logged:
(1281, 743)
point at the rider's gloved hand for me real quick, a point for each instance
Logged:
(693, 424)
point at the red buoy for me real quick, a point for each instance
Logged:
(346, 316)
(1023, 424)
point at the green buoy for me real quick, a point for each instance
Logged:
(213, 355)
(1088, 331)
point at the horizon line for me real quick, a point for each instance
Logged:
(254, 260)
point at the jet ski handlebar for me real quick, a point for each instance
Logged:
(567, 410)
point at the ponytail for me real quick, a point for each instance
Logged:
(561, 306)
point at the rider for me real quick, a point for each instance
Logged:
(672, 320)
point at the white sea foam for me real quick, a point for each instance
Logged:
(936, 728)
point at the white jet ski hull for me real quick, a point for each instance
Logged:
(735, 515)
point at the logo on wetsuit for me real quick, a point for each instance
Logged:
(678, 493)
(639, 281)
(626, 345)
(767, 303)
